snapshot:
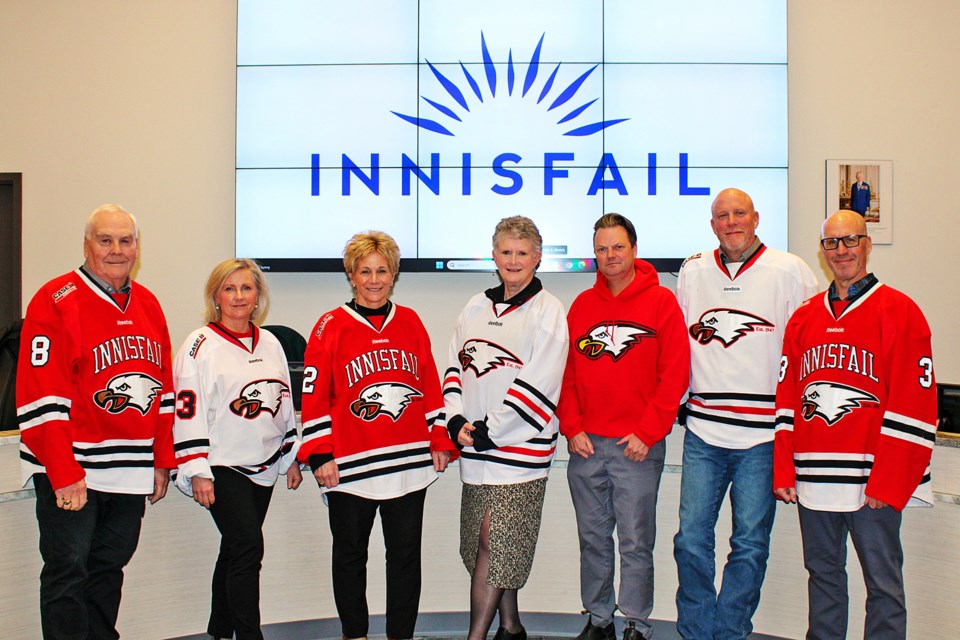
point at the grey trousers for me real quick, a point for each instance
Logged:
(876, 537)
(608, 491)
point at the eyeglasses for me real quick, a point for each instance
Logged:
(851, 241)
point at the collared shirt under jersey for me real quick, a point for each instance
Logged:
(103, 283)
(752, 249)
(854, 290)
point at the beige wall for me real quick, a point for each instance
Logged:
(133, 102)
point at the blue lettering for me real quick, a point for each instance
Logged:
(616, 180)
(549, 172)
(504, 166)
(315, 174)
(465, 174)
(408, 167)
(347, 167)
(684, 179)
(651, 174)
(499, 169)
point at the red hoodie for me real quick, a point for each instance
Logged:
(629, 360)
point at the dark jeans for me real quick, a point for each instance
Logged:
(239, 509)
(84, 553)
(351, 520)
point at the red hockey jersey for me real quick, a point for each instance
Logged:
(856, 403)
(94, 387)
(371, 398)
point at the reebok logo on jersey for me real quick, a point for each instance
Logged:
(258, 396)
(613, 339)
(726, 326)
(386, 398)
(832, 401)
(483, 356)
(128, 391)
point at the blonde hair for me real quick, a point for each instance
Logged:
(219, 275)
(363, 244)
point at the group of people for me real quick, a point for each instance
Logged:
(826, 399)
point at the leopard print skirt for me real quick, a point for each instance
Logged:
(515, 513)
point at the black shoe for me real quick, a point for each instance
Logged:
(503, 634)
(593, 632)
(630, 632)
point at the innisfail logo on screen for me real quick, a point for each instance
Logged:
(553, 94)
(486, 109)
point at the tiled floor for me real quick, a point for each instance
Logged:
(167, 586)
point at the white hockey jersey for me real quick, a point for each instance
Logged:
(506, 368)
(736, 325)
(234, 407)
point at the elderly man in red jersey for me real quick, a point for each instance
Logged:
(95, 410)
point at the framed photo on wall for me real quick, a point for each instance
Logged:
(865, 186)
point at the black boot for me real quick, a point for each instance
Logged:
(630, 632)
(503, 634)
(593, 632)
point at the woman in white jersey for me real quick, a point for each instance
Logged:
(234, 433)
(500, 395)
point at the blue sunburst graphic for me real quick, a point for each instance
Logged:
(455, 93)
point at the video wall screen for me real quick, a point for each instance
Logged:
(432, 120)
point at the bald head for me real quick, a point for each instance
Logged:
(734, 195)
(848, 263)
(852, 221)
(734, 221)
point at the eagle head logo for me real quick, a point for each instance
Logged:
(832, 401)
(386, 398)
(725, 325)
(128, 391)
(260, 395)
(483, 356)
(613, 339)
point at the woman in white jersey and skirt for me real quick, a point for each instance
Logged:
(500, 395)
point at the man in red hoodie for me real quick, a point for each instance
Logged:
(627, 369)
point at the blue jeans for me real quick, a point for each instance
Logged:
(707, 472)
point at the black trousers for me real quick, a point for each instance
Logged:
(84, 553)
(351, 520)
(239, 509)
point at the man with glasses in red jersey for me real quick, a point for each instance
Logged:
(856, 423)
